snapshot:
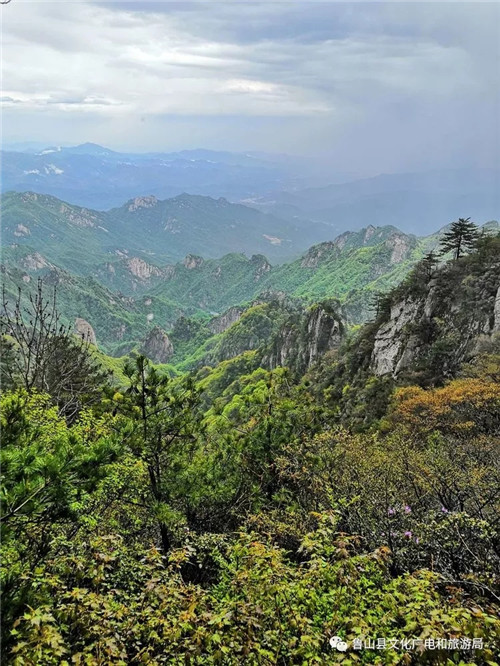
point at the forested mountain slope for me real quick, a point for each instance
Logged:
(354, 269)
(315, 487)
(78, 238)
(115, 319)
(425, 329)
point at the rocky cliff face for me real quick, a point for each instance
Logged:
(496, 313)
(280, 331)
(142, 202)
(157, 346)
(222, 322)
(34, 262)
(298, 344)
(131, 274)
(79, 217)
(439, 326)
(85, 330)
(400, 246)
(314, 255)
(141, 269)
(394, 347)
(192, 261)
(262, 266)
(324, 331)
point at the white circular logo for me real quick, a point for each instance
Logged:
(338, 643)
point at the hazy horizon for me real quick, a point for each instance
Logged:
(363, 88)
(310, 169)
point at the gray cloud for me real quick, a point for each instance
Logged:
(372, 86)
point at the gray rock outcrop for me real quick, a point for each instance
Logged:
(192, 261)
(157, 346)
(390, 339)
(444, 321)
(223, 321)
(299, 344)
(141, 269)
(85, 330)
(496, 313)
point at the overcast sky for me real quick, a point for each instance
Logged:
(373, 87)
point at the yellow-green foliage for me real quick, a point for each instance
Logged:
(113, 364)
(264, 609)
(244, 516)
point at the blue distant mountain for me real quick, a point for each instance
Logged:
(95, 176)
(414, 202)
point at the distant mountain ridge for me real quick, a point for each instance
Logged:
(96, 177)
(291, 188)
(415, 202)
(76, 238)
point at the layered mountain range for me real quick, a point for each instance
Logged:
(94, 176)
(295, 189)
(110, 274)
(415, 202)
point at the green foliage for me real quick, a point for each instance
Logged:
(68, 235)
(159, 420)
(114, 366)
(263, 609)
(256, 328)
(242, 515)
(359, 265)
(212, 382)
(461, 237)
(40, 353)
(78, 238)
(460, 297)
(49, 472)
(253, 330)
(114, 318)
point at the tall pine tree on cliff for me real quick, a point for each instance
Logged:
(461, 238)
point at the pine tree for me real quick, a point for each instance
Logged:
(383, 304)
(428, 264)
(164, 421)
(461, 237)
(424, 270)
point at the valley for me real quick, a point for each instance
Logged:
(250, 334)
(130, 298)
(262, 446)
